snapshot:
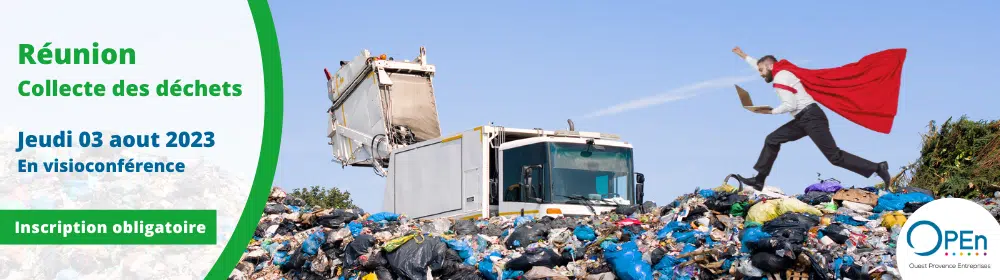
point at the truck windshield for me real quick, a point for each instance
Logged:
(589, 171)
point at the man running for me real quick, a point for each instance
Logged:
(865, 92)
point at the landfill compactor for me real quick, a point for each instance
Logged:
(383, 116)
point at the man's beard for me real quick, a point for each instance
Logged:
(768, 77)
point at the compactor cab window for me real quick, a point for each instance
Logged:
(514, 161)
(581, 170)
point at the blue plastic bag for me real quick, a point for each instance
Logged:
(585, 233)
(627, 262)
(486, 266)
(751, 235)
(706, 193)
(690, 237)
(688, 248)
(463, 249)
(280, 258)
(672, 227)
(521, 220)
(708, 239)
(383, 217)
(875, 216)
(667, 264)
(311, 246)
(847, 220)
(511, 274)
(897, 201)
(274, 247)
(628, 231)
(356, 228)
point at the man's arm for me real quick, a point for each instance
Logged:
(788, 101)
(750, 60)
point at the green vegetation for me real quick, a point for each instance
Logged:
(959, 158)
(326, 198)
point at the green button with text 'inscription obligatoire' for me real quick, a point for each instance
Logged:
(110, 227)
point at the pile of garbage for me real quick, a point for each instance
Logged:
(829, 232)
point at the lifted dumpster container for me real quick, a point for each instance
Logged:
(380, 102)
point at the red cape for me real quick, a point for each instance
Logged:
(865, 92)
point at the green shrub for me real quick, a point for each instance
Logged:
(959, 158)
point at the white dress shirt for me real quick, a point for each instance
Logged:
(791, 102)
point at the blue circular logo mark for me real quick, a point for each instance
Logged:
(937, 243)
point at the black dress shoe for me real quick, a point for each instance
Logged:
(883, 172)
(752, 181)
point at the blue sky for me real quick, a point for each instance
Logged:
(535, 64)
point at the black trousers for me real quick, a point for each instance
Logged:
(811, 122)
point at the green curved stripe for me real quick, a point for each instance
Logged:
(269, 146)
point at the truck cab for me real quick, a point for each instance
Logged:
(564, 175)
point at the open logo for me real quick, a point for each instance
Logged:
(967, 239)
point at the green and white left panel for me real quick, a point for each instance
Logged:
(170, 112)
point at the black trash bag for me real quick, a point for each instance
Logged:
(307, 275)
(837, 232)
(535, 257)
(275, 208)
(630, 232)
(374, 261)
(666, 210)
(854, 272)
(771, 263)
(411, 260)
(773, 245)
(451, 256)
(696, 213)
(569, 256)
(493, 230)
(819, 270)
(294, 201)
(298, 259)
(256, 259)
(465, 227)
(457, 271)
(384, 273)
(816, 198)
(648, 207)
(286, 228)
(912, 206)
(358, 210)
(602, 267)
(567, 223)
(527, 234)
(722, 202)
(334, 250)
(626, 210)
(360, 246)
(656, 255)
(336, 219)
(792, 226)
(262, 229)
(464, 274)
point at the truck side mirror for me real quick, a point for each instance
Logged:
(640, 188)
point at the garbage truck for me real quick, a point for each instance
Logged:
(384, 117)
